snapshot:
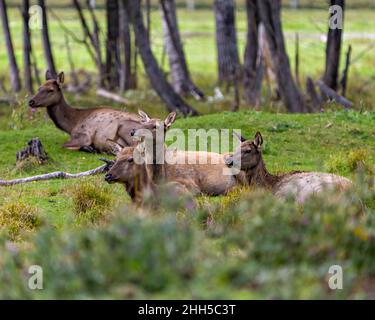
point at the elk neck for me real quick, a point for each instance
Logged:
(64, 116)
(141, 182)
(259, 175)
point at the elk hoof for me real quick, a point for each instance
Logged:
(88, 149)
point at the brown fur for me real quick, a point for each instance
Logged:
(298, 184)
(98, 128)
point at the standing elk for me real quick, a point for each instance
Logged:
(299, 185)
(91, 130)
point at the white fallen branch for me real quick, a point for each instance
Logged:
(112, 96)
(54, 175)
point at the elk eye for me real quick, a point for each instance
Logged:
(50, 90)
(130, 160)
(248, 151)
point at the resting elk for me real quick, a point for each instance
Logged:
(206, 178)
(297, 184)
(91, 130)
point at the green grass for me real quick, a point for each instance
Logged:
(292, 142)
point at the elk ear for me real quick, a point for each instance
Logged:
(238, 136)
(60, 78)
(115, 147)
(49, 75)
(258, 140)
(144, 116)
(170, 119)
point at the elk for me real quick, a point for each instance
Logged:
(91, 130)
(206, 178)
(135, 176)
(297, 184)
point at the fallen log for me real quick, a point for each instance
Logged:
(332, 94)
(112, 96)
(54, 175)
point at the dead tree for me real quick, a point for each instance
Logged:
(112, 50)
(269, 12)
(345, 73)
(252, 60)
(126, 78)
(34, 149)
(181, 79)
(94, 38)
(13, 67)
(333, 48)
(172, 100)
(28, 82)
(46, 41)
(226, 41)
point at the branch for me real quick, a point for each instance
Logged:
(54, 175)
(113, 96)
(334, 95)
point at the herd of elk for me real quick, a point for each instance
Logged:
(113, 131)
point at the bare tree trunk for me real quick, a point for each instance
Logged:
(251, 57)
(125, 45)
(182, 82)
(112, 57)
(13, 67)
(94, 38)
(46, 41)
(269, 12)
(333, 50)
(226, 41)
(172, 100)
(26, 47)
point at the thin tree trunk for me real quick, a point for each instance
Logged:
(269, 12)
(226, 41)
(125, 45)
(46, 41)
(172, 100)
(333, 51)
(13, 67)
(251, 57)
(26, 47)
(345, 73)
(181, 79)
(112, 57)
(94, 39)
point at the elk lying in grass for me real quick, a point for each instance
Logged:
(135, 177)
(91, 130)
(206, 178)
(297, 184)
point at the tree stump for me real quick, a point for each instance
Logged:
(35, 149)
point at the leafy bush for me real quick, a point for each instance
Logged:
(249, 244)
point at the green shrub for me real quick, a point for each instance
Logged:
(18, 217)
(91, 201)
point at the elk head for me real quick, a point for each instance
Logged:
(126, 167)
(248, 154)
(49, 93)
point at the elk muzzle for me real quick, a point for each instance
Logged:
(109, 178)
